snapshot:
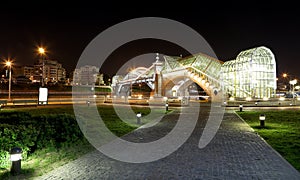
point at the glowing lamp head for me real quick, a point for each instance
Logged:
(15, 154)
(8, 63)
(139, 115)
(41, 50)
(262, 117)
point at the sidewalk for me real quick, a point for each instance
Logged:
(236, 152)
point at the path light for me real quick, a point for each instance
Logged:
(262, 119)
(241, 107)
(167, 107)
(138, 118)
(15, 157)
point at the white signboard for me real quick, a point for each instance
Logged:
(43, 95)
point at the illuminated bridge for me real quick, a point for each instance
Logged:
(251, 75)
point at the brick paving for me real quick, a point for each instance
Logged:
(236, 152)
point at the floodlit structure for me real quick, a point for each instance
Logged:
(251, 75)
(85, 75)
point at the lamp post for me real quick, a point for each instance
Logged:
(9, 64)
(138, 118)
(15, 157)
(241, 107)
(167, 107)
(42, 52)
(262, 119)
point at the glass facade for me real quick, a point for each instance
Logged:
(252, 74)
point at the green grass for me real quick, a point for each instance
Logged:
(47, 159)
(281, 131)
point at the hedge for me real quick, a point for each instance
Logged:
(21, 129)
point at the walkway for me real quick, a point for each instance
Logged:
(236, 152)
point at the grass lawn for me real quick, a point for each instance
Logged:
(45, 160)
(281, 131)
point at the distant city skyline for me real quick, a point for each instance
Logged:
(66, 30)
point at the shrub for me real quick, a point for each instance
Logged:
(20, 129)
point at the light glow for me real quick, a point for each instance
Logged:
(15, 157)
(282, 98)
(265, 99)
(284, 75)
(138, 115)
(8, 63)
(41, 50)
(262, 117)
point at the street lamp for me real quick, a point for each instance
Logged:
(284, 75)
(42, 52)
(8, 63)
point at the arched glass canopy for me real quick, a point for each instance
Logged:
(252, 74)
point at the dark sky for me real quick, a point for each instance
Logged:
(229, 28)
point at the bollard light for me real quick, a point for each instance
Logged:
(256, 103)
(241, 107)
(167, 106)
(15, 157)
(88, 103)
(138, 118)
(262, 119)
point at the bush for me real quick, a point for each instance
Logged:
(20, 129)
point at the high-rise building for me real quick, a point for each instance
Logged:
(49, 70)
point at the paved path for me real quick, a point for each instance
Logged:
(236, 152)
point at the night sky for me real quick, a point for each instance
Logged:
(65, 30)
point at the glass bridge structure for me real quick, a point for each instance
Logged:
(251, 75)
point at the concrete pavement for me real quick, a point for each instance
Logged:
(236, 152)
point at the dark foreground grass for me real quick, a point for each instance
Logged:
(44, 160)
(281, 131)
